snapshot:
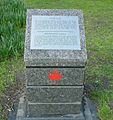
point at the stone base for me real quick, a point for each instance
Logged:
(88, 112)
(52, 110)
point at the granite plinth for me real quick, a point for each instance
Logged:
(54, 94)
(55, 57)
(52, 109)
(47, 96)
(39, 76)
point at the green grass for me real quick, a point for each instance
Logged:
(103, 99)
(8, 68)
(98, 20)
(12, 27)
(12, 30)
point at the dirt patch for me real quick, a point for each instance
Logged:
(12, 94)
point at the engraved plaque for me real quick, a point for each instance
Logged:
(55, 33)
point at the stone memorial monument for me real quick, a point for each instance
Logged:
(55, 59)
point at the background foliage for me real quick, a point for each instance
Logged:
(12, 28)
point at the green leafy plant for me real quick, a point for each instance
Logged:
(12, 28)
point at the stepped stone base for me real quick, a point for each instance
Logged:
(59, 109)
(88, 112)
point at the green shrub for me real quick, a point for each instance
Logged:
(12, 23)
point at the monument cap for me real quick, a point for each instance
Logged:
(55, 37)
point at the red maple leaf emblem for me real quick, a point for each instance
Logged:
(55, 76)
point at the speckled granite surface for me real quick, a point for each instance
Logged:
(39, 76)
(55, 57)
(54, 94)
(52, 110)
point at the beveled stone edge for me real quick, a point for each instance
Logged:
(72, 103)
(55, 86)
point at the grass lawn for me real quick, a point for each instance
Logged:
(98, 20)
